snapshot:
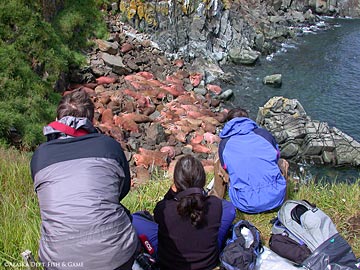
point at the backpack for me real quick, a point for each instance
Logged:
(305, 235)
(243, 247)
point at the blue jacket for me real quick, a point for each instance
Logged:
(250, 154)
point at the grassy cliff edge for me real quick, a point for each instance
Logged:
(20, 222)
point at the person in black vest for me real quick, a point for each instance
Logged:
(191, 226)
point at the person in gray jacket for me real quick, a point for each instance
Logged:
(80, 176)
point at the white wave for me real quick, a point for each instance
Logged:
(288, 45)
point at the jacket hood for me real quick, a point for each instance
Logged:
(238, 126)
(71, 121)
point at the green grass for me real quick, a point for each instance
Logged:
(20, 220)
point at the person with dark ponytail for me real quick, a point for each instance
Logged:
(191, 226)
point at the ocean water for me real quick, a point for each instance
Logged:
(321, 69)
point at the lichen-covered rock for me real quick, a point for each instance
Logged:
(299, 137)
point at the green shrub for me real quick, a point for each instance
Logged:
(79, 20)
(34, 53)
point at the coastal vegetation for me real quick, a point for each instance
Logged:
(34, 55)
(20, 222)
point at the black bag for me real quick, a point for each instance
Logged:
(289, 248)
(240, 252)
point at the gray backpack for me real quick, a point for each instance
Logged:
(307, 236)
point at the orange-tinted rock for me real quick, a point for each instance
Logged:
(146, 75)
(170, 150)
(215, 102)
(211, 138)
(214, 88)
(182, 74)
(126, 47)
(107, 116)
(137, 118)
(179, 63)
(210, 119)
(194, 114)
(197, 139)
(134, 78)
(153, 82)
(194, 122)
(180, 136)
(104, 99)
(149, 110)
(199, 148)
(173, 90)
(208, 127)
(126, 123)
(105, 80)
(174, 80)
(195, 79)
(128, 106)
(148, 158)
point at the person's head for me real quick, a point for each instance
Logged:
(236, 112)
(78, 104)
(189, 180)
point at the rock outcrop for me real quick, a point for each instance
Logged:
(213, 32)
(301, 138)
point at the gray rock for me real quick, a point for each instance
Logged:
(274, 80)
(243, 56)
(289, 150)
(225, 95)
(200, 90)
(115, 62)
(299, 137)
(108, 47)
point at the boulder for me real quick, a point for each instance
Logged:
(243, 56)
(274, 80)
(301, 138)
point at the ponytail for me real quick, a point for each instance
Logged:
(192, 204)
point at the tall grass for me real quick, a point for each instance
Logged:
(19, 212)
(20, 218)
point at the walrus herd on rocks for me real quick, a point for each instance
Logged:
(154, 107)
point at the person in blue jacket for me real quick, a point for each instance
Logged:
(250, 156)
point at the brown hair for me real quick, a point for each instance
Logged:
(236, 112)
(190, 173)
(77, 103)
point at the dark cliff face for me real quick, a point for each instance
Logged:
(219, 31)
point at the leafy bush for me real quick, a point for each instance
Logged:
(34, 54)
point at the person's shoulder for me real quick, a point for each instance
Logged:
(214, 200)
(105, 139)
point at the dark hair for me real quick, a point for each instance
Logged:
(189, 173)
(236, 112)
(77, 103)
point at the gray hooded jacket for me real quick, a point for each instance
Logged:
(80, 182)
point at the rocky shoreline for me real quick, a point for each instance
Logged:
(157, 107)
